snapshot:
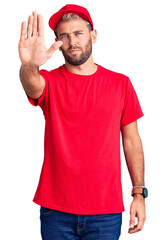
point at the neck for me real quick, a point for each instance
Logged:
(87, 68)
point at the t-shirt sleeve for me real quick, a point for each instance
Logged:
(43, 99)
(132, 108)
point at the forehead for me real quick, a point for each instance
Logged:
(71, 25)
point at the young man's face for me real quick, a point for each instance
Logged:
(77, 41)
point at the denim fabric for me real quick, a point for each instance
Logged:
(57, 225)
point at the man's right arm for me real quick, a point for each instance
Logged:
(32, 82)
(33, 54)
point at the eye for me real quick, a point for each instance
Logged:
(78, 33)
(64, 36)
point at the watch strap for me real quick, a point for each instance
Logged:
(137, 190)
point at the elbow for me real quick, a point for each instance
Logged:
(134, 143)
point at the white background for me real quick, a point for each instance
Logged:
(132, 41)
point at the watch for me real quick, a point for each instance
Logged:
(140, 190)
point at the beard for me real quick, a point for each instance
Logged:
(77, 60)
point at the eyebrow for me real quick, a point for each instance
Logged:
(69, 33)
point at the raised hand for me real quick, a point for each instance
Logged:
(32, 50)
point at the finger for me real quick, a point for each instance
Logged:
(132, 220)
(53, 48)
(23, 31)
(133, 230)
(140, 224)
(34, 25)
(138, 227)
(29, 27)
(40, 25)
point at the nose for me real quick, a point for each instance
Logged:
(72, 39)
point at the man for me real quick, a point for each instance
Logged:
(85, 107)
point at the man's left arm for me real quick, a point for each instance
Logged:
(133, 151)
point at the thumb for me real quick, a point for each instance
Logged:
(53, 48)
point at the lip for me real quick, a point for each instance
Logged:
(74, 51)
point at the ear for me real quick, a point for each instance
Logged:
(94, 35)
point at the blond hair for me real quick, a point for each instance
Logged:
(70, 16)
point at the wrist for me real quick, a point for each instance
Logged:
(140, 191)
(138, 186)
(29, 66)
(28, 69)
(138, 196)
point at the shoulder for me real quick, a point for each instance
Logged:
(113, 74)
(56, 71)
(51, 73)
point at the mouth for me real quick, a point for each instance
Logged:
(74, 51)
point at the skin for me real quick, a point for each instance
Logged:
(33, 54)
(133, 151)
(74, 53)
(77, 40)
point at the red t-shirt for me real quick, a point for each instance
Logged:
(81, 172)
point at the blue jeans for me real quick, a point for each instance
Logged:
(57, 225)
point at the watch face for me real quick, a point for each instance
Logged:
(145, 192)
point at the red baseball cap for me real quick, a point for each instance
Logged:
(69, 8)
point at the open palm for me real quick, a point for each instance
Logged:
(32, 50)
